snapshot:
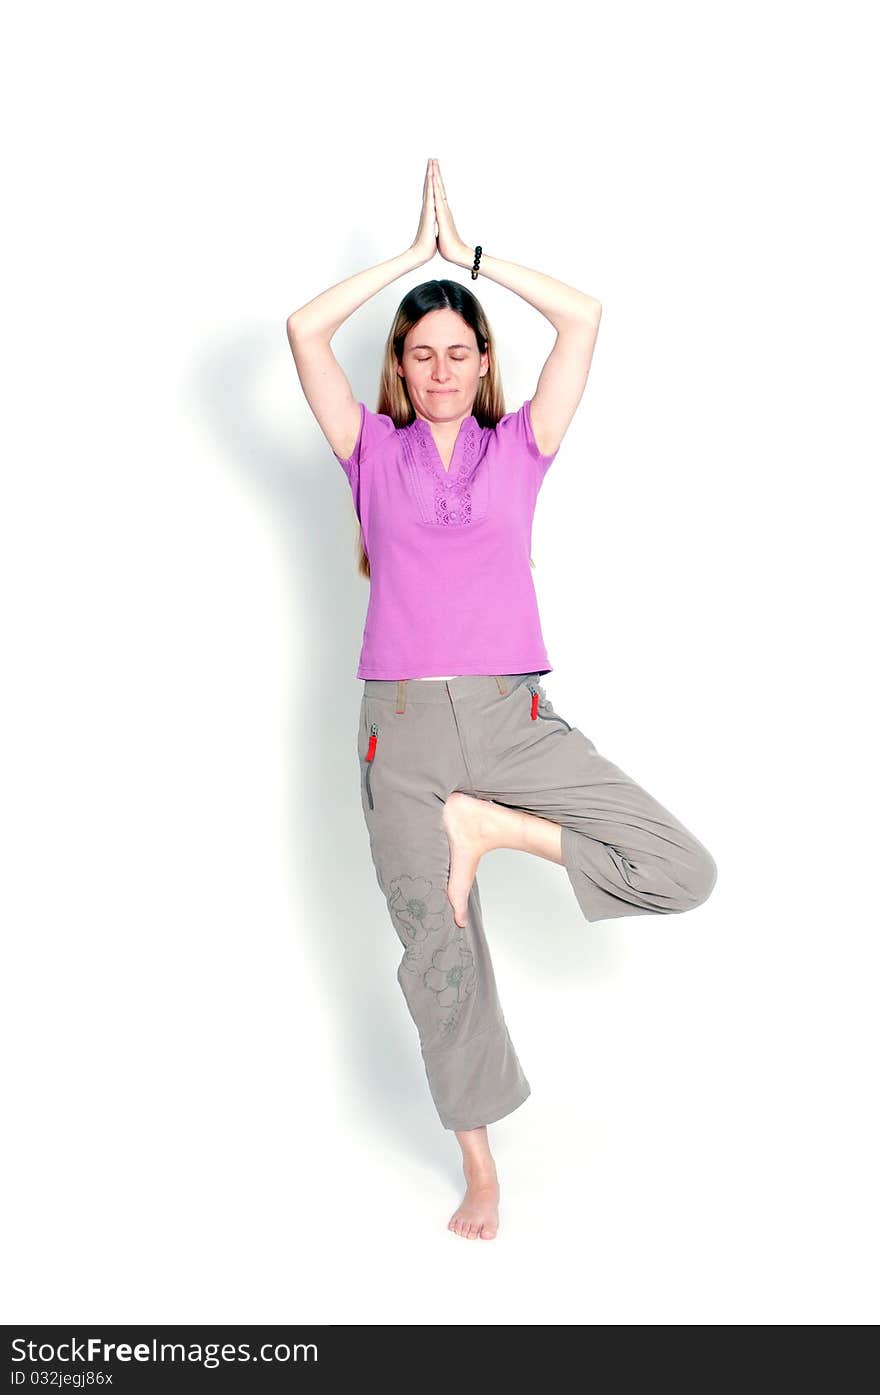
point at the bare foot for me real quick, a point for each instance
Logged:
(473, 826)
(477, 1216)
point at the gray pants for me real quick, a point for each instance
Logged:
(498, 738)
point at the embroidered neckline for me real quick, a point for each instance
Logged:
(463, 449)
(451, 488)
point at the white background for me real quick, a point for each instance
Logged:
(216, 1106)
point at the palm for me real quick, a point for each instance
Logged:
(449, 244)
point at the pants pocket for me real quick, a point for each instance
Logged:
(542, 707)
(370, 756)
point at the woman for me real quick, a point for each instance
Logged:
(473, 757)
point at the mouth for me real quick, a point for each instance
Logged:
(441, 392)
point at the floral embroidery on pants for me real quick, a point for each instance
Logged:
(452, 978)
(418, 906)
(418, 909)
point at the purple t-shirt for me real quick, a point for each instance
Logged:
(451, 587)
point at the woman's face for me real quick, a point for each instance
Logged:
(442, 366)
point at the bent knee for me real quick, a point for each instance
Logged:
(702, 874)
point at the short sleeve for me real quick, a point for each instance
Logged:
(515, 429)
(374, 433)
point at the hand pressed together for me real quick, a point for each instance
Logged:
(435, 209)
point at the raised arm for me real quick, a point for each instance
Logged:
(310, 329)
(574, 315)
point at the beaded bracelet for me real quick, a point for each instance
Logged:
(475, 269)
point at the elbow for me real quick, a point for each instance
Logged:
(584, 321)
(295, 331)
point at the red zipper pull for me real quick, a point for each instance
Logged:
(374, 736)
(534, 693)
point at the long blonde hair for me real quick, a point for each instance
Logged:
(394, 399)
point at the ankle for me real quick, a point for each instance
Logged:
(480, 1168)
(501, 827)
